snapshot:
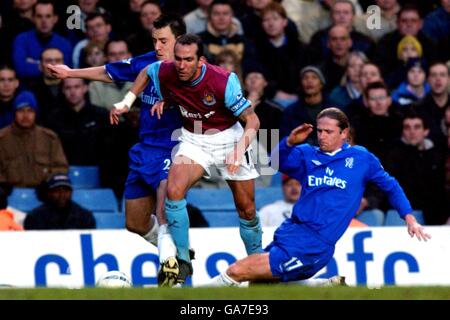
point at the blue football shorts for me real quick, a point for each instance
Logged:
(296, 253)
(148, 166)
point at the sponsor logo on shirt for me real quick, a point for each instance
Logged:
(209, 99)
(327, 179)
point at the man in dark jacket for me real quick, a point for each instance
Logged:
(58, 210)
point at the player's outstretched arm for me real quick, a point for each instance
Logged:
(124, 106)
(61, 71)
(415, 228)
(299, 134)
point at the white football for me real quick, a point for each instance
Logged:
(114, 279)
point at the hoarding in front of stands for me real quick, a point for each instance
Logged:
(366, 256)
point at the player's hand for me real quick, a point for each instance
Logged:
(59, 71)
(115, 113)
(299, 134)
(158, 108)
(233, 160)
(415, 228)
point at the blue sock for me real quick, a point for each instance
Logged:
(251, 234)
(178, 223)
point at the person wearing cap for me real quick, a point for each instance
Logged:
(29, 153)
(59, 211)
(311, 102)
(415, 87)
(273, 214)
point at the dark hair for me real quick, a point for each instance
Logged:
(376, 85)
(219, 2)
(5, 191)
(174, 21)
(44, 2)
(189, 39)
(7, 67)
(409, 7)
(94, 15)
(412, 114)
(154, 2)
(434, 63)
(107, 44)
(336, 114)
(347, 2)
(274, 7)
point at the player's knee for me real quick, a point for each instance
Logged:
(247, 212)
(175, 192)
(135, 226)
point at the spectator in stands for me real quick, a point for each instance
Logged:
(433, 106)
(415, 87)
(350, 88)
(342, 13)
(7, 222)
(106, 94)
(29, 154)
(388, 19)
(370, 73)
(94, 56)
(419, 168)
(19, 19)
(88, 7)
(281, 54)
(272, 215)
(141, 41)
(80, 125)
(408, 48)
(47, 89)
(311, 102)
(436, 24)
(409, 23)
(222, 33)
(58, 210)
(335, 64)
(28, 46)
(196, 20)
(98, 30)
(381, 126)
(229, 60)
(8, 88)
(252, 21)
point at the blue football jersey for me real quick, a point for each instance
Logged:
(152, 132)
(333, 185)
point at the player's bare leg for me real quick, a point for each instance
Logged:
(249, 225)
(254, 268)
(183, 174)
(139, 218)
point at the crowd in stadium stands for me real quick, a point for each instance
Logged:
(293, 57)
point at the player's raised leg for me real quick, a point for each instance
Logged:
(249, 225)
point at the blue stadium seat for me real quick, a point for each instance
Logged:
(23, 199)
(393, 219)
(223, 218)
(267, 195)
(109, 221)
(96, 200)
(276, 180)
(84, 177)
(373, 218)
(211, 199)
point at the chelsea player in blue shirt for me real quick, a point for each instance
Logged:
(333, 177)
(150, 159)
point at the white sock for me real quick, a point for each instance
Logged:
(166, 246)
(223, 280)
(152, 235)
(311, 282)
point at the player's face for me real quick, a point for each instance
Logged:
(187, 63)
(330, 136)
(164, 42)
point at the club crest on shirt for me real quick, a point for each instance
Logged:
(209, 99)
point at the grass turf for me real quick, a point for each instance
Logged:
(272, 292)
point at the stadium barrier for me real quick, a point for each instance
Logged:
(76, 258)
